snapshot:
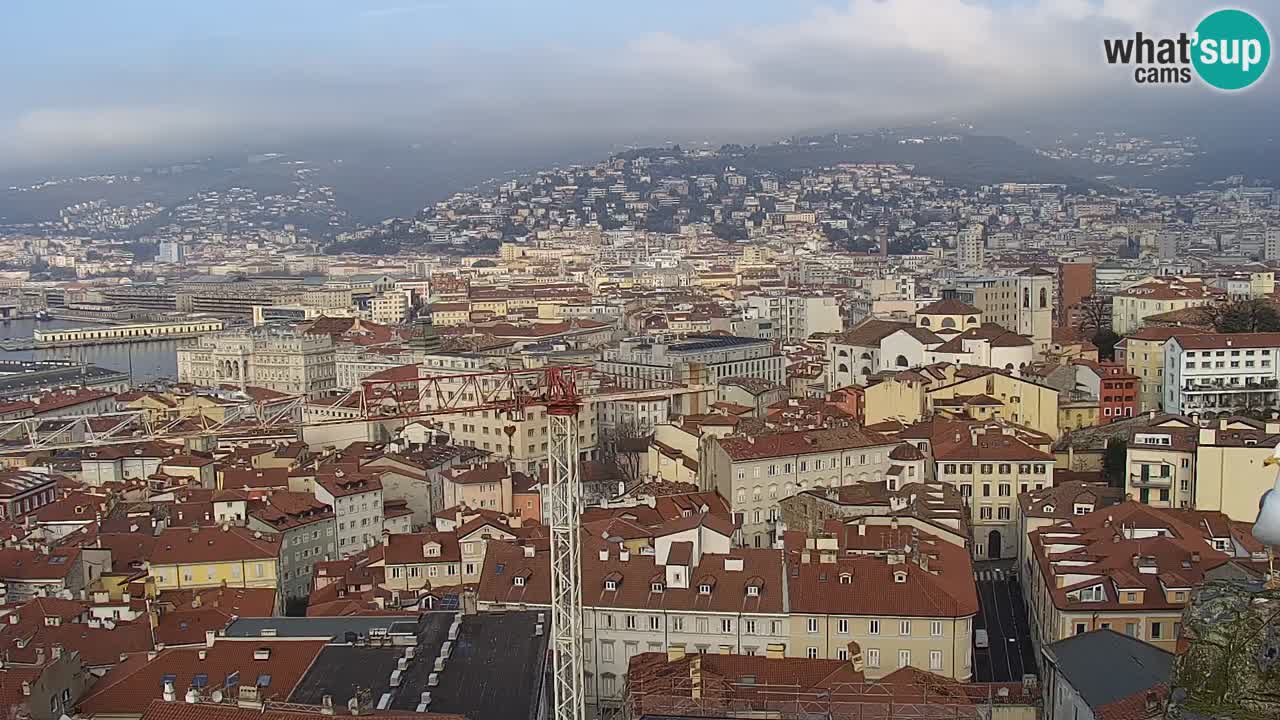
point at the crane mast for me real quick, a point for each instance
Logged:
(562, 390)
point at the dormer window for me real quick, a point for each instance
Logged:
(900, 576)
(610, 585)
(518, 581)
(753, 591)
(656, 587)
(846, 578)
(704, 589)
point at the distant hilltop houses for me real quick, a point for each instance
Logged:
(839, 437)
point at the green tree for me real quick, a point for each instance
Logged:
(1245, 316)
(1105, 340)
(1114, 460)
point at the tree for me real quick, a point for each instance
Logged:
(620, 448)
(1114, 461)
(1093, 314)
(1244, 316)
(1105, 340)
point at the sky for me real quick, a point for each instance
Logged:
(88, 78)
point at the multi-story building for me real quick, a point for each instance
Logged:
(1160, 462)
(1132, 306)
(1221, 374)
(267, 357)
(1142, 353)
(1022, 303)
(1066, 499)
(390, 308)
(356, 499)
(971, 248)
(854, 355)
(904, 594)
(650, 361)
(209, 557)
(24, 491)
(796, 316)
(689, 588)
(483, 486)
(305, 527)
(1075, 285)
(1128, 567)
(990, 468)
(1230, 471)
(755, 472)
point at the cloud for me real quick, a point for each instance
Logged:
(869, 61)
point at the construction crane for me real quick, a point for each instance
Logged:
(562, 390)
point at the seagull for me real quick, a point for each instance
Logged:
(1267, 527)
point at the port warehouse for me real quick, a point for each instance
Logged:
(137, 332)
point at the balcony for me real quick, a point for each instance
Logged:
(1219, 385)
(1157, 481)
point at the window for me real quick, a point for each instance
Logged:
(1157, 630)
(842, 627)
(984, 512)
(677, 624)
(842, 654)
(873, 627)
(750, 628)
(1002, 512)
(935, 628)
(873, 657)
(606, 651)
(812, 653)
(904, 628)
(726, 626)
(1081, 628)
(935, 659)
(812, 625)
(904, 658)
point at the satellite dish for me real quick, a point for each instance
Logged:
(216, 696)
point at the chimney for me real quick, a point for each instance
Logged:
(26, 688)
(192, 697)
(57, 650)
(170, 693)
(326, 705)
(675, 652)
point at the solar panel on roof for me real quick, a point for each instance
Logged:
(501, 568)
(168, 678)
(264, 680)
(200, 680)
(233, 679)
(449, 602)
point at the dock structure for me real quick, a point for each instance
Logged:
(136, 332)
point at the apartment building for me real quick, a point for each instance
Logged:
(990, 468)
(689, 588)
(1160, 458)
(356, 499)
(305, 528)
(1128, 568)
(390, 308)
(1134, 304)
(755, 472)
(522, 438)
(268, 357)
(1230, 474)
(1066, 499)
(23, 492)
(1022, 302)
(1142, 353)
(483, 486)
(209, 557)
(795, 316)
(650, 361)
(1217, 373)
(903, 594)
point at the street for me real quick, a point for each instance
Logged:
(1003, 615)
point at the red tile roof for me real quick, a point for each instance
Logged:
(132, 685)
(801, 442)
(183, 546)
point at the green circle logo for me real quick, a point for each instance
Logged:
(1232, 49)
